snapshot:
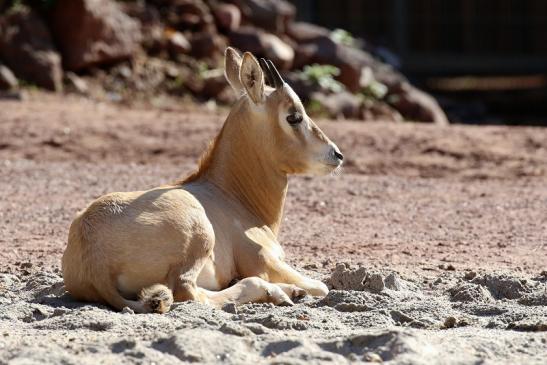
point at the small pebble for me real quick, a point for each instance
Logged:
(470, 275)
(127, 310)
(449, 322)
(26, 265)
(230, 308)
(372, 357)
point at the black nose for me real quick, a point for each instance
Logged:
(338, 155)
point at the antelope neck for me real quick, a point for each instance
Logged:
(244, 170)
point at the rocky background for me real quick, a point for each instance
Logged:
(158, 50)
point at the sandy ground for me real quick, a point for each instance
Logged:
(445, 229)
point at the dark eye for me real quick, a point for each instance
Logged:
(294, 118)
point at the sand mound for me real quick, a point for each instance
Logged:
(387, 318)
(347, 277)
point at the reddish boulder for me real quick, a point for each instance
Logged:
(354, 64)
(75, 84)
(416, 105)
(281, 53)
(27, 49)
(350, 61)
(7, 79)
(271, 15)
(93, 32)
(177, 42)
(375, 110)
(302, 87)
(303, 32)
(247, 39)
(342, 105)
(207, 45)
(227, 16)
(151, 25)
(186, 15)
(214, 83)
(263, 44)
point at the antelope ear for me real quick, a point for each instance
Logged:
(232, 64)
(252, 78)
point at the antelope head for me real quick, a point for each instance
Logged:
(276, 120)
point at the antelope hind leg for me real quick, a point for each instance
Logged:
(183, 279)
(249, 290)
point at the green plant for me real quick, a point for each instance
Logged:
(322, 76)
(343, 37)
(202, 69)
(375, 90)
(39, 5)
(316, 109)
(28, 85)
(12, 4)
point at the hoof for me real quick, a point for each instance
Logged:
(298, 293)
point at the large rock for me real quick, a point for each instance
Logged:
(207, 45)
(27, 49)
(75, 84)
(186, 15)
(352, 62)
(271, 15)
(152, 27)
(302, 87)
(416, 105)
(177, 43)
(303, 32)
(247, 39)
(376, 110)
(275, 49)
(341, 105)
(263, 44)
(227, 16)
(93, 32)
(7, 79)
(214, 83)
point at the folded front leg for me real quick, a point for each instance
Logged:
(272, 269)
(248, 290)
(280, 272)
(261, 255)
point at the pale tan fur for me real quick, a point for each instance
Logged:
(190, 240)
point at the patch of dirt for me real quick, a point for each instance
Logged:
(48, 128)
(433, 241)
(60, 153)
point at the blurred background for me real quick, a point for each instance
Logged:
(487, 60)
(455, 61)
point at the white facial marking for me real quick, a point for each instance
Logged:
(304, 127)
(291, 94)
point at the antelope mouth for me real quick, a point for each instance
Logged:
(329, 168)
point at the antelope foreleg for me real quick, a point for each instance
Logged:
(278, 271)
(248, 290)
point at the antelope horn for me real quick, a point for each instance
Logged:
(267, 72)
(277, 79)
